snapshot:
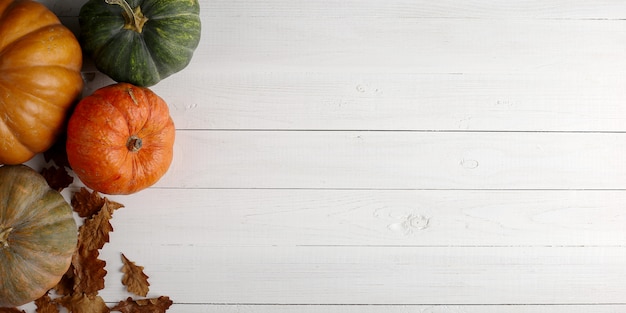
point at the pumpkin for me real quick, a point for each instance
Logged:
(120, 139)
(40, 63)
(140, 41)
(38, 235)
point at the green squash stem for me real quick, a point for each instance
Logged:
(134, 18)
(4, 237)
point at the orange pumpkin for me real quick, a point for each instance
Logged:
(120, 139)
(40, 62)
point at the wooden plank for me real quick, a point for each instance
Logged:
(392, 45)
(390, 101)
(578, 9)
(396, 160)
(398, 308)
(375, 275)
(266, 218)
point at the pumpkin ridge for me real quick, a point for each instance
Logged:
(26, 274)
(10, 292)
(26, 92)
(11, 128)
(112, 70)
(46, 17)
(17, 68)
(8, 9)
(60, 31)
(35, 269)
(13, 194)
(30, 32)
(23, 250)
(22, 247)
(171, 42)
(112, 39)
(24, 149)
(57, 207)
(14, 130)
(151, 59)
(124, 113)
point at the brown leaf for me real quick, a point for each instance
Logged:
(11, 310)
(46, 305)
(94, 233)
(134, 278)
(89, 272)
(154, 305)
(82, 303)
(87, 203)
(57, 177)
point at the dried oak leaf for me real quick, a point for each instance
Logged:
(94, 233)
(11, 310)
(135, 280)
(57, 177)
(88, 269)
(82, 303)
(154, 305)
(87, 203)
(89, 272)
(45, 304)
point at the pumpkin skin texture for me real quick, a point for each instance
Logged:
(38, 235)
(140, 41)
(40, 63)
(120, 139)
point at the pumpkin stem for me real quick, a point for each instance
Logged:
(134, 143)
(134, 18)
(4, 237)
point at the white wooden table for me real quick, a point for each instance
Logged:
(389, 156)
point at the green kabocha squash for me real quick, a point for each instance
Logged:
(140, 41)
(38, 235)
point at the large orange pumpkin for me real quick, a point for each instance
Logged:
(38, 235)
(40, 62)
(120, 139)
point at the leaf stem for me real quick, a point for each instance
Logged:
(134, 18)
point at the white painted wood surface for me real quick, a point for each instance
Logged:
(389, 156)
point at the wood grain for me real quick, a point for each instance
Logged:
(376, 218)
(396, 160)
(391, 101)
(378, 275)
(396, 45)
(405, 309)
(575, 9)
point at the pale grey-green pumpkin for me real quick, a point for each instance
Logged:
(38, 235)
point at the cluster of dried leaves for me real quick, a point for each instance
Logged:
(78, 289)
